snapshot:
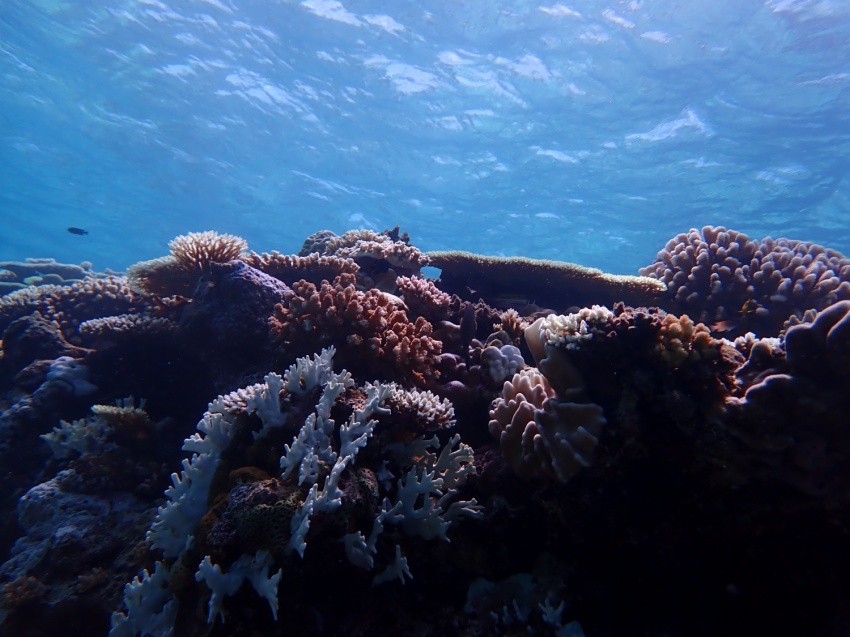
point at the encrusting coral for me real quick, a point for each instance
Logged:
(435, 456)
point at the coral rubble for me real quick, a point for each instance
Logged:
(224, 442)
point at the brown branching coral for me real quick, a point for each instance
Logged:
(423, 297)
(25, 589)
(511, 323)
(367, 244)
(311, 267)
(382, 256)
(681, 338)
(70, 305)
(371, 324)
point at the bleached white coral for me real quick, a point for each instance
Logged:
(255, 569)
(501, 363)
(361, 550)
(177, 520)
(431, 411)
(308, 373)
(265, 402)
(424, 504)
(570, 330)
(398, 568)
(71, 371)
(313, 443)
(75, 438)
(150, 609)
(357, 550)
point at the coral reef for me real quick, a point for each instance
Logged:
(198, 250)
(380, 256)
(519, 282)
(723, 277)
(290, 268)
(192, 256)
(16, 275)
(331, 443)
(373, 326)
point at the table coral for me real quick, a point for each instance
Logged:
(521, 281)
(16, 275)
(70, 305)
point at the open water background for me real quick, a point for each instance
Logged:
(582, 131)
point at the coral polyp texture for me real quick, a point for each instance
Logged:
(521, 281)
(223, 442)
(197, 250)
(717, 275)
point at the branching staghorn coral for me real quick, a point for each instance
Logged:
(269, 520)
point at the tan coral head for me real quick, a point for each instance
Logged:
(197, 250)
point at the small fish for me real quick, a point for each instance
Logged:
(468, 327)
(750, 306)
(724, 327)
(79, 231)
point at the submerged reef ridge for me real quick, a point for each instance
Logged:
(222, 442)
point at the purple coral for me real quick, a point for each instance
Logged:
(723, 277)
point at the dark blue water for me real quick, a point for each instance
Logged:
(584, 131)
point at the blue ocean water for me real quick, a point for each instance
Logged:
(587, 131)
